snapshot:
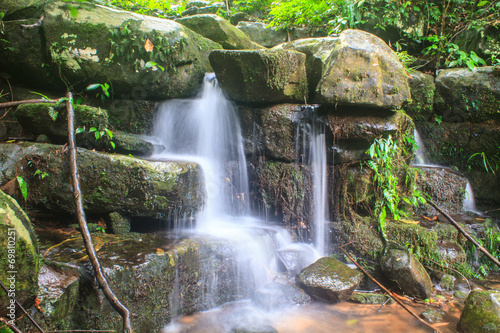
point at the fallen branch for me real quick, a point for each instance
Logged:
(87, 239)
(394, 297)
(21, 307)
(29, 101)
(463, 232)
(12, 327)
(34, 25)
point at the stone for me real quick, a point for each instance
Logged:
(132, 144)
(19, 257)
(451, 253)
(363, 71)
(404, 270)
(463, 95)
(239, 17)
(21, 9)
(95, 44)
(220, 31)
(370, 298)
(261, 76)
(130, 115)
(447, 282)
(261, 34)
(197, 3)
(422, 90)
(433, 316)
(110, 182)
(481, 312)
(118, 224)
(328, 280)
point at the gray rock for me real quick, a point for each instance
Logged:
(370, 298)
(422, 90)
(197, 3)
(404, 270)
(261, 76)
(261, 34)
(433, 315)
(363, 71)
(328, 280)
(481, 313)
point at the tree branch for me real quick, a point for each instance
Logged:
(87, 239)
(30, 101)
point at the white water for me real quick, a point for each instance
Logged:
(206, 130)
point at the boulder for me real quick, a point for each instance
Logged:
(463, 95)
(110, 182)
(131, 144)
(118, 224)
(451, 253)
(261, 76)
(197, 3)
(220, 31)
(238, 17)
(328, 280)
(481, 312)
(261, 34)
(363, 71)
(422, 90)
(21, 9)
(130, 115)
(404, 270)
(19, 257)
(141, 56)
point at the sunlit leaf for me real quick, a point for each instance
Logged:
(23, 186)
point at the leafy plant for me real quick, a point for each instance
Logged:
(23, 186)
(98, 134)
(41, 173)
(486, 163)
(104, 90)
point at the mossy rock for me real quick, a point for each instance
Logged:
(422, 90)
(370, 298)
(130, 115)
(481, 313)
(328, 280)
(136, 145)
(260, 33)
(363, 71)
(21, 9)
(19, 260)
(261, 76)
(94, 44)
(220, 31)
(463, 95)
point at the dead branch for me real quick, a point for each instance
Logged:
(461, 230)
(387, 290)
(87, 239)
(29, 101)
(34, 25)
(21, 307)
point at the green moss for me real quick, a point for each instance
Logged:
(481, 312)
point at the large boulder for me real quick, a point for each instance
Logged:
(463, 95)
(109, 182)
(21, 9)
(145, 57)
(261, 34)
(261, 76)
(220, 31)
(363, 71)
(481, 313)
(20, 261)
(422, 90)
(329, 280)
(403, 269)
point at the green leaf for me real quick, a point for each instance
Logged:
(92, 129)
(79, 101)
(73, 11)
(482, 3)
(23, 186)
(415, 8)
(97, 135)
(112, 144)
(39, 94)
(94, 86)
(53, 113)
(2, 14)
(110, 134)
(79, 130)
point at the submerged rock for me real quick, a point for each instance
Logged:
(220, 31)
(433, 315)
(363, 71)
(403, 269)
(370, 298)
(19, 257)
(261, 76)
(481, 313)
(277, 295)
(328, 280)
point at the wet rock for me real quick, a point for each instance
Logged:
(481, 312)
(261, 34)
(239, 17)
(363, 71)
(328, 280)
(404, 270)
(447, 282)
(277, 295)
(450, 252)
(104, 45)
(463, 95)
(261, 76)
(19, 257)
(422, 90)
(130, 115)
(370, 298)
(220, 31)
(136, 145)
(118, 224)
(433, 315)
(113, 183)
(460, 294)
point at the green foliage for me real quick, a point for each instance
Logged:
(253, 6)
(488, 166)
(103, 90)
(23, 186)
(106, 134)
(41, 174)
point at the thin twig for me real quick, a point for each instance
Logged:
(388, 291)
(87, 239)
(451, 269)
(21, 307)
(34, 25)
(469, 237)
(12, 327)
(29, 101)
(386, 301)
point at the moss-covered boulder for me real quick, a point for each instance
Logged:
(130, 115)
(463, 95)
(363, 71)
(137, 55)
(404, 270)
(481, 313)
(220, 31)
(21, 9)
(261, 76)
(328, 280)
(422, 90)
(19, 257)
(109, 182)
(261, 34)
(136, 145)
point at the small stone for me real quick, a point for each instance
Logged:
(432, 315)
(369, 298)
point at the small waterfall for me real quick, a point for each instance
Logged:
(469, 201)
(420, 158)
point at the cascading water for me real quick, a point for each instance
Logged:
(205, 130)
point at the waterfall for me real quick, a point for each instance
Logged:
(420, 153)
